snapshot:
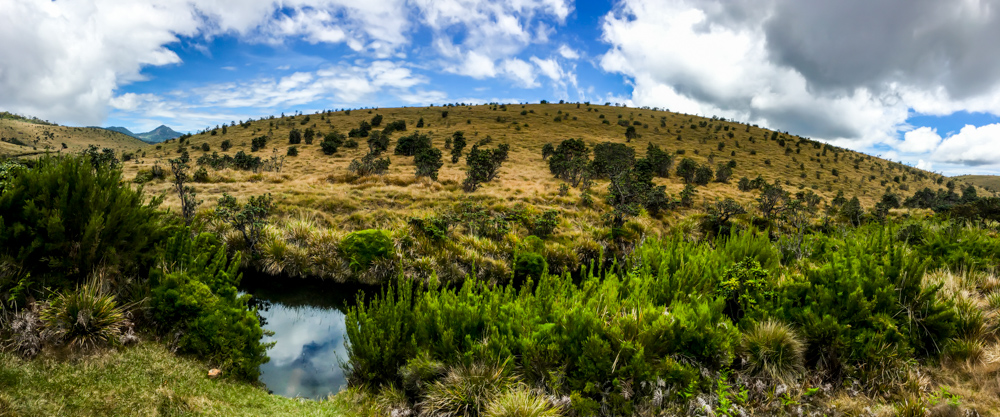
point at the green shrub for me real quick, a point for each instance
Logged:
(293, 151)
(744, 287)
(63, 218)
(196, 298)
(365, 246)
(85, 318)
(412, 144)
(528, 265)
(428, 162)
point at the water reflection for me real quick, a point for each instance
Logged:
(307, 318)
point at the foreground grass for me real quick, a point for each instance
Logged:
(145, 380)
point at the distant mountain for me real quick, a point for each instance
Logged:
(157, 135)
(120, 129)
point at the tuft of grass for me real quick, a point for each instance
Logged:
(520, 402)
(466, 390)
(773, 351)
(85, 318)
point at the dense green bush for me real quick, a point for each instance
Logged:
(484, 165)
(428, 162)
(412, 144)
(195, 300)
(864, 304)
(528, 265)
(598, 333)
(570, 161)
(63, 219)
(365, 246)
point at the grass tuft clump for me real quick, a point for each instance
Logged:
(85, 318)
(773, 351)
(466, 390)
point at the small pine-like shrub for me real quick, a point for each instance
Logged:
(64, 217)
(197, 299)
(293, 151)
(363, 247)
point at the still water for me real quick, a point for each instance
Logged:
(307, 318)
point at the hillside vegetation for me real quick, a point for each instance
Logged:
(528, 263)
(320, 200)
(987, 182)
(21, 136)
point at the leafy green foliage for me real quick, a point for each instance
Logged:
(63, 218)
(412, 144)
(428, 162)
(484, 165)
(661, 161)
(369, 164)
(457, 146)
(528, 265)
(744, 287)
(249, 219)
(365, 246)
(612, 159)
(570, 161)
(196, 298)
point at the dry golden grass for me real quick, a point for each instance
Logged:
(39, 138)
(989, 182)
(320, 183)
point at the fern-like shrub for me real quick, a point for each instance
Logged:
(195, 301)
(365, 246)
(65, 217)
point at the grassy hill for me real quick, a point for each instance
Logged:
(988, 182)
(798, 163)
(317, 196)
(21, 136)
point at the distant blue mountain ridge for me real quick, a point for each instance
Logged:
(157, 135)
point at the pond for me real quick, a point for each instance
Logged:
(307, 318)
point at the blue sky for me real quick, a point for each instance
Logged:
(916, 81)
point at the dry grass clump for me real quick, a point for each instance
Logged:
(774, 352)
(466, 390)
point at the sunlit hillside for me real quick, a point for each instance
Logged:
(315, 181)
(20, 136)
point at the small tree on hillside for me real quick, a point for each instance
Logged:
(661, 161)
(428, 162)
(630, 134)
(484, 165)
(249, 219)
(294, 137)
(610, 157)
(189, 202)
(457, 145)
(770, 201)
(687, 169)
(570, 161)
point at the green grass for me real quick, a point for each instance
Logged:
(143, 380)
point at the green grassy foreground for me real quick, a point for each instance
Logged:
(143, 380)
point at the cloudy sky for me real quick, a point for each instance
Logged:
(916, 81)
